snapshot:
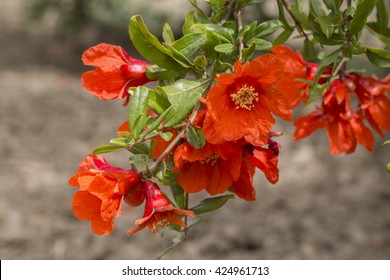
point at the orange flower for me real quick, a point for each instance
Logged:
(265, 159)
(159, 212)
(240, 105)
(102, 188)
(115, 72)
(372, 94)
(213, 167)
(344, 126)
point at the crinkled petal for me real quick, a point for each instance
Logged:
(104, 56)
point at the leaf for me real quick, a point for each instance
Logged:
(137, 111)
(224, 32)
(382, 16)
(282, 37)
(183, 95)
(267, 28)
(379, 57)
(189, 21)
(325, 62)
(159, 103)
(106, 149)
(178, 195)
(199, 11)
(388, 168)
(195, 137)
(308, 49)
(119, 142)
(167, 34)
(261, 44)
(150, 47)
(302, 18)
(140, 149)
(334, 40)
(328, 24)
(333, 5)
(158, 121)
(282, 16)
(383, 35)
(225, 48)
(189, 44)
(386, 142)
(316, 8)
(211, 204)
(363, 10)
(167, 136)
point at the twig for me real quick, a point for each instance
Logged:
(240, 40)
(297, 24)
(229, 12)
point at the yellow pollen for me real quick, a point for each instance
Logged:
(245, 97)
(211, 158)
(158, 221)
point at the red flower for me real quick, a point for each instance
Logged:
(240, 105)
(115, 72)
(159, 212)
(102, 188)
(344, 126)
(213, 167)
(265, 159)
(372, 94)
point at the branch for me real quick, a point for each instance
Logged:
(297, 24)
(229, 12)
(240, 40)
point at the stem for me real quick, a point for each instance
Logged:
(185, 217)
(240, 40)
(229, 12)
(337, 69)
(297, 24)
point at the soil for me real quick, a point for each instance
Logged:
(323, 207)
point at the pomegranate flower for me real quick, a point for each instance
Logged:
(102, 187)
(115, 72)
(159, 212)
(240, 105)
(344, 126)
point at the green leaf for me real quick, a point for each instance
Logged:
(167, 34)
(149, 46)
(388, 168)
(178, 195)
(189, 21)
(199, 11)
(355, 47)
(158, 121)
(328, 24)
(308, 49)
(282, 16)
(183, 95)
(302, 18)
(189, 44)
(333, 5)
(247, 53)
(140, 149)
(267, 28)
(316, 9)
(159, 103)
(223, 32)
(211, 204)
(379, 57)
(334, 40)
(225, 48)
(382, 15)
(282, 37)
(137, 111)
(195, 137)
(167, 136)
(261, 44)
(386, 142)
(106, 149)
(154, 72)
(382, 34)
(363, 10)
(119, 142)
(200, 62)
(325, 62)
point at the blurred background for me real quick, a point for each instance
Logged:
(323, 207)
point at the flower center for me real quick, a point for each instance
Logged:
(211, 158)
(245, 97)
(158, 221)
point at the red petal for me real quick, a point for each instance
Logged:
(104, 56)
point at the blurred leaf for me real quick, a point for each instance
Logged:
(137, 111)
(211, 204)
(261, 44)
(325, 62)
(150, 47)
(225, 48)
(154, 72)
(223, 32)
(106, 149)
(334, 40)
(328, 24)
(355, 47)
(190, 20)
(158, 121)
(363, 10)
(282, 37)
(199, 11)
(316, 9)
(388, 167)
(301, 17)
(189, 44)
(158, 102)
(386, 142)
(183, 95)
(382, 15)
(247, 53)
(195, 137)
(140, 149)
(282, 16)
(178, 195)
(379, 57)
(118, 142)
(167, 136)
(168, 34)
(333, 5)
(267, 28)
(308, 49)
(200, 62)
(383, 35)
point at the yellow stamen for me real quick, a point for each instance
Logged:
(159, 220)
(211, 158)
(245, 97)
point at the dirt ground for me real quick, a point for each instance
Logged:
(324, 207)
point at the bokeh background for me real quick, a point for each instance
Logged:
(323, 207)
